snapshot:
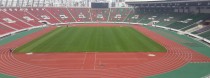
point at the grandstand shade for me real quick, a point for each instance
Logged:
(203, 2)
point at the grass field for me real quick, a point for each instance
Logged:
(92, 39)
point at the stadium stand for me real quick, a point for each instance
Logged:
(188, 20)
(133, 17)
(12, 21)
(61, 14)
(202, 30)
(20, 18)
(204, 27)
(119, 14)
(169, 18)
(43, 15)
(5, 29)
(24, 16)
(100, 15)
(147, 17)
(205, 34)
(81, 14)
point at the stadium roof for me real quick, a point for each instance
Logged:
(168, 3)
(162, 1)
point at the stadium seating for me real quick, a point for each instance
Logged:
(13, 19)
(81, 14)
(119, 14)
(4, 29)
(134, 16)
(61, 14)
(188, 20)
(169, 18)
(24, 16)
(146, 18)
(205, 34)
(202, 30)
(43, 15)
(100, 15)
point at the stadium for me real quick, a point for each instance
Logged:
(105, 39)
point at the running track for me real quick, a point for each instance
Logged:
(176, 56)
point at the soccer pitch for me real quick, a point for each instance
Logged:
(92, 39)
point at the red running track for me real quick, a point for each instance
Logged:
(93, 60)
(95, 65)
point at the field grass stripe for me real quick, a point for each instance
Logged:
(92, 39)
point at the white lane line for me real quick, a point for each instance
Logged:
(84, 60)
(95, 61)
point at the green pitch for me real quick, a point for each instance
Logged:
(92, 39)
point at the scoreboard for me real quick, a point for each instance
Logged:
(99, 5)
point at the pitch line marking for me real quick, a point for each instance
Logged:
(84, 60)
(94, 61)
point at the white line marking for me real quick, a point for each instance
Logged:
(95, 61)
(84, 60)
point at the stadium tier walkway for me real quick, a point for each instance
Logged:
(17, 36)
